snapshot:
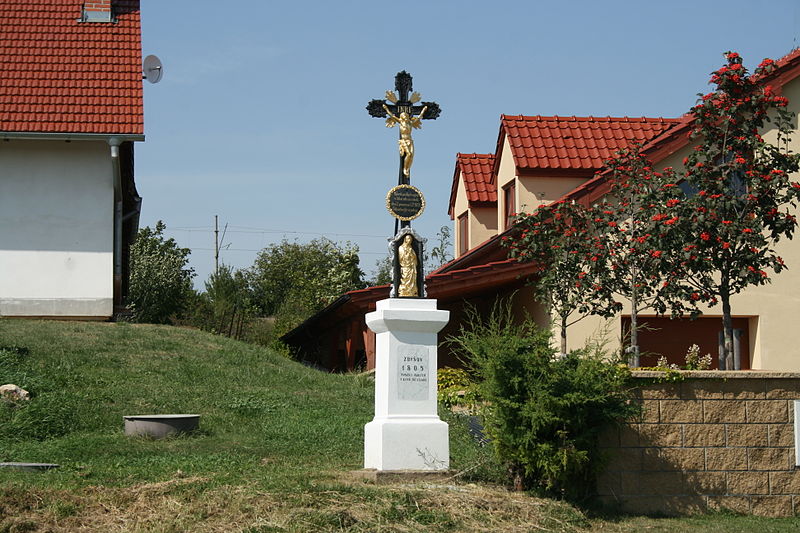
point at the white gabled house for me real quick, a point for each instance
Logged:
(70, 111)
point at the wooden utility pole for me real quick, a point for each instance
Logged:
(216, 244)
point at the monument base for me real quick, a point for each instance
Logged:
(406, 433)
(403, 477)
(407, 443)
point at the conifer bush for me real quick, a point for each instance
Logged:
(543, 414)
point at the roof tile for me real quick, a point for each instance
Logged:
(555, 142)
(476, 173)
(64, 76)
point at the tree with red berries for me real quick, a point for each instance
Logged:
(738, 193)
(564, 240)
(636, 237)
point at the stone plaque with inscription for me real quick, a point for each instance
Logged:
(412, 372)
(405, 202)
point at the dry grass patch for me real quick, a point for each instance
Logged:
(189, 505)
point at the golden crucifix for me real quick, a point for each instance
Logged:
(406, 123)
(403, 107)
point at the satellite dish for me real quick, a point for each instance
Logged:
(152, 69)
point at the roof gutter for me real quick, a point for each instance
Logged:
(70, 136)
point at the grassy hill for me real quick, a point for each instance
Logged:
(259, 411)
(275, 444)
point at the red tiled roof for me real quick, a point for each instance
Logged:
(64, 76)
(575, 143)
(786, 69)
(475, 170)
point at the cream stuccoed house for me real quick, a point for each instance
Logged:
(70, 112)
(542, 159)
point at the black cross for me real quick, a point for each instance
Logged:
(404, 104)
(402, 84)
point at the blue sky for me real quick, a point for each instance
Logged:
(260, 116)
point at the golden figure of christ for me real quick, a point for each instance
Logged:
(406, 123)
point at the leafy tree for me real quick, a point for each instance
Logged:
(705, 238)
(226, 306)
(565, 240)
(442, 252)
(302, 278)
(161, 283)
(739, 192)
(383, 271)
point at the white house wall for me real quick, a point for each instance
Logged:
(777, 304)
(56, 215)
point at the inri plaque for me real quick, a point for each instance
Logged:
(412, 372)
(405, 202)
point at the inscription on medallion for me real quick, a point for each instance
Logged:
(412, 372)
(405, 202)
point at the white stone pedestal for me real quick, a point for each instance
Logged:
(406, 433)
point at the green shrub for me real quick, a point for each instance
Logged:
(161, 280)
(542, 414)
(260, 330)
(456, 388)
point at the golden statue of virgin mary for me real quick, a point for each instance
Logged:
(407, 258)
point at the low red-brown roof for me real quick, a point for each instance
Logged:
(59, 75)
(475, 279)
(574, 143)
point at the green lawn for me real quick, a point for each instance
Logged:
(275, 444)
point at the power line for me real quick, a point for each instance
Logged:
(260, 249)
(208, 229)
(218, 246)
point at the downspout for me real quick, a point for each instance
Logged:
(114, 143)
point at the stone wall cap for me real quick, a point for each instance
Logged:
(718, 374)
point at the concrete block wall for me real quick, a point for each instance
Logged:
(709, 441)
